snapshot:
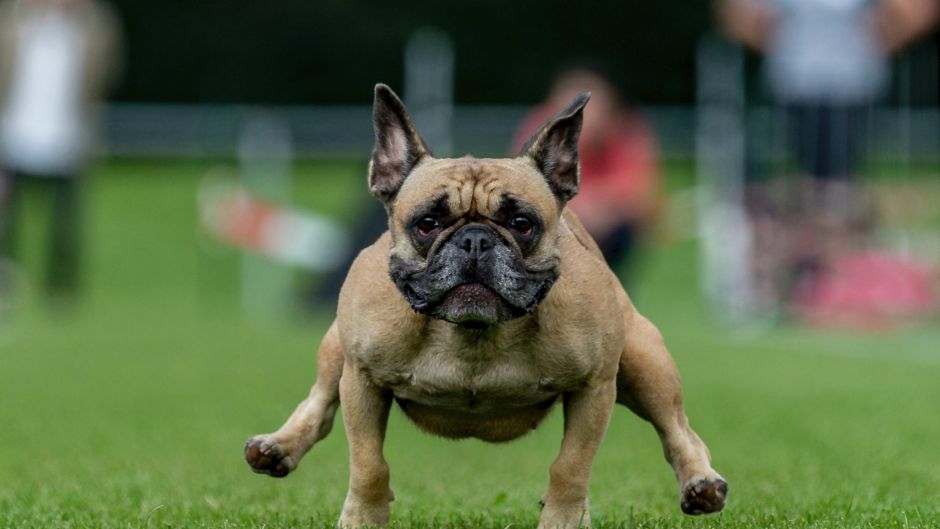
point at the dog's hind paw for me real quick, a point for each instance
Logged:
(266, 456)
(704, 496)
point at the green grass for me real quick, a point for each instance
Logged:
(132, 412)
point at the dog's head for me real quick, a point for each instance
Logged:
(474, 241)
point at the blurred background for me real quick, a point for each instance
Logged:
(183, 188)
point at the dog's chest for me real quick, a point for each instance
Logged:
(492, 376)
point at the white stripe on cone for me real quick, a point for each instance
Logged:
(297, 238)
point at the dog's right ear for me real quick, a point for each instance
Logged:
(398, 146)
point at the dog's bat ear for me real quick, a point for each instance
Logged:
(398, 146)
(554, 148)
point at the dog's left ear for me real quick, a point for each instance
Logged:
(554, 148)
(398, 146)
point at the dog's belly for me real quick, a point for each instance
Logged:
(497, 404)
(492, 424)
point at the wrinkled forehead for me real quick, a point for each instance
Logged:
(475, 186)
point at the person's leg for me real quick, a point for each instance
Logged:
(818, 158)
(833, 203)
(9, 198)
(831, 194)
(826, 143)
(806, 124)
(843, 211)
(65, 252)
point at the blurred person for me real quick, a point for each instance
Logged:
(826, 63)
(57, 58)
(619, 194)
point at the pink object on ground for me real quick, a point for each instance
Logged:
(866, 290)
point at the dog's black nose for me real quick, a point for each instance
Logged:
(475, 240)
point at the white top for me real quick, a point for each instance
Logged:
(43, 130)
(825, 50)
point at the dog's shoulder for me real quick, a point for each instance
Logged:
(368, 275)
(371, 310)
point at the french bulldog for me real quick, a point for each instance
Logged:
(484, 305)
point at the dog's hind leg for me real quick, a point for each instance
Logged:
(278, 453)
(648, 383)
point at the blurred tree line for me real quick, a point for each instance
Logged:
(333, 51)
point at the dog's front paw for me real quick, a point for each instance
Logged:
(267, 456)
(360, 516)
(704, 496)
(556, 516)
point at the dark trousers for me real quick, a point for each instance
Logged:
(62, 269)
(829, 138)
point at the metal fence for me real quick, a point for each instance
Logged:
(167, 130)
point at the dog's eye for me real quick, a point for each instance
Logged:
(522, 225)
(426, 225)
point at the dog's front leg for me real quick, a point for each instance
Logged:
(648, 383)
(587, 413)
(365, 415)
(279, 453)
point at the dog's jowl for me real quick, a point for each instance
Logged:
(484, 305)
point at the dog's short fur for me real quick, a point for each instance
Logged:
(484, 304)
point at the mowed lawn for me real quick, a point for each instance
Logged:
(132, 411)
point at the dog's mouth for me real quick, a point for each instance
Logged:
(472, 304)
(464, 293)
(473, 293)
(418, 303)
